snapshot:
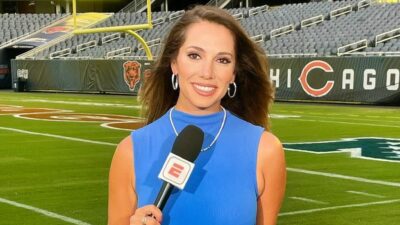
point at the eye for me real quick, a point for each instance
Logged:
(194, 56)
(224, 60)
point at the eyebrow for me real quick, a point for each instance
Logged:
(202, 50)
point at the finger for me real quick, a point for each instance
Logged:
(143, 220)
(149, 210)
(156, 213)
(135, 220)
(150, 221)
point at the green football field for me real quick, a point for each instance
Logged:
(55, 151)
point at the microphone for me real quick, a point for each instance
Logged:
(179, 164)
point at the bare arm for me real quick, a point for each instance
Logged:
(122, 197)
(271, 179)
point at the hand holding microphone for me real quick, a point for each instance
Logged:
(175, 172)
(146, 215)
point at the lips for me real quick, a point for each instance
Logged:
(204, 89)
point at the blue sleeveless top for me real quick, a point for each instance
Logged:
(222, 189)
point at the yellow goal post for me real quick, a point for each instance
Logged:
(130, 29)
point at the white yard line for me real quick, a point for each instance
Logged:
(308, 200)
(101, 104)
(57, 136)
(56, 185)
(341, 122)
(359, 179)
(337, 114)
(338, 207)
(358, 119)
(365, 194)
(43, 212)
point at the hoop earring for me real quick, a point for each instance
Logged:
(234, 91)
(174, 80)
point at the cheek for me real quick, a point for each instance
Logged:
(189, 71)
(226, 75)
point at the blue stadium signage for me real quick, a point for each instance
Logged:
(372, 148)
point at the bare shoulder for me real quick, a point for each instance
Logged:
(122, 162)
(122, 196)
(271, 179)
(269, 146)
(270, 160)
(125, 148)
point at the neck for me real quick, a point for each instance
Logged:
(216, 136)
(194, 110)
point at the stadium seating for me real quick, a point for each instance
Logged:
(15, 26)
(338, 24)
(289, 14)
(327, 37)
(392, 46)
(101, 48)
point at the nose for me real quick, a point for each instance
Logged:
(207, 72)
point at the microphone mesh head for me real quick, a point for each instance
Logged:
(188, 143)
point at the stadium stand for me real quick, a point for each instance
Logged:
(391, 46)
(305, 29)
(106, 42)
(298, 39)
(329, 36)
(292, 14)
(15, 26)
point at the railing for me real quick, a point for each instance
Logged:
(76, 57)
(218, 3)
(16, 39)
(281, 30)
(387, 36)
(257, 10)
(352, 47)
(151, 43)
(238, 16)
(292, 55)
(61, 53)
(258, 38)
(118, 52)
(111, 37)
(363, 3)
(157, 21)
(136, 57)
(340, 11)
(176, 15)
(86, 45)
(375, 53)
(32, 53)
(311, 21)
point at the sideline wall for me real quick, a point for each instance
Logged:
(371, 80)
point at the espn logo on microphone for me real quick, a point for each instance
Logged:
(176, 171)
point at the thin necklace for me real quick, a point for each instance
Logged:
(216, 136)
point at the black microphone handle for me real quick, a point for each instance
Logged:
(163, 195)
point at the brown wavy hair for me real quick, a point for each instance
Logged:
(254, 93)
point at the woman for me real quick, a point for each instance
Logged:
(209, 74)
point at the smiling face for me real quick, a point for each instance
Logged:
(205, 66)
